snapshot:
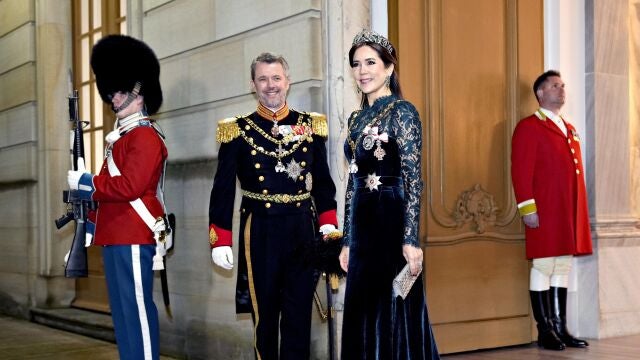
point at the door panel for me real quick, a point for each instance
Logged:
(468, 67)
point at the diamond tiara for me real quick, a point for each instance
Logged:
(368, 36)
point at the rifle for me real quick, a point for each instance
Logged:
(77, 209)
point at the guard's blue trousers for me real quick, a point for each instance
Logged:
(129, 273)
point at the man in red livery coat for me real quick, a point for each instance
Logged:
(279, 157)
(129, 217)
(548, 180)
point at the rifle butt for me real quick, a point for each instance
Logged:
(77, 263)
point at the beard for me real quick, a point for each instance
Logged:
(273, 102)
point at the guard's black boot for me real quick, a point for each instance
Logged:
(547, 338)
(558, 317)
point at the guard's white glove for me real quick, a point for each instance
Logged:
(223, 257)
(531, 220)
(327, 229)
(73, 176)
(90, 230)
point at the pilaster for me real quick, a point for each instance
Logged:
(53, 77)
(342, 20)
(608, 286)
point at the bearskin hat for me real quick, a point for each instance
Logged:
(119, 61)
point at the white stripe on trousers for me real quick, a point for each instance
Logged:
(142, 310)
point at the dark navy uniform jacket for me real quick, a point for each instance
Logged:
(249, 152)
(281, 173)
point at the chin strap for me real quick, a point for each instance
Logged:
(132, 95)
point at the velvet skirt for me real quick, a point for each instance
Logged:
(377, 324)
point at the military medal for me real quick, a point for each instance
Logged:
(274, 129)
(279, 167)
(293, 169)
(575, 135)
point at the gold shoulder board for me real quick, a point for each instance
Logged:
(319, 124)
(227, 130)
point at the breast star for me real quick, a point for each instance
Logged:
(293, 169)
(372, 182)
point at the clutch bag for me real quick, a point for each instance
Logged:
(403, 282)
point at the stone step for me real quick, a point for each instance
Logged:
(84, 322)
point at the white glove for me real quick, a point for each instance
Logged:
(223, 257)
(73, 176)
(531, 220)
(327, 229)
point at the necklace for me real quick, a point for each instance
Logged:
(368, 141)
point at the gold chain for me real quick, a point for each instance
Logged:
(274, 154)
(267, 136)
(277, 155)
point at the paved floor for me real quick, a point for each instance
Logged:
(23, 340)
(619, 348)
(20, 339)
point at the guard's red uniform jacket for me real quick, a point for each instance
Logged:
(139, 155)
(548, 177)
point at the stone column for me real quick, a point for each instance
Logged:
(608, 291)
(341, 21)
(53, 41)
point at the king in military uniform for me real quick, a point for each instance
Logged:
(279, 157)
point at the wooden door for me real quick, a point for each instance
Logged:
(468, 66)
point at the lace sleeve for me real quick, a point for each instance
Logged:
(407, 129)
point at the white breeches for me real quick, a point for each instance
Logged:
(550, 271)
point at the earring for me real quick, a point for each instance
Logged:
(387, 81)
(358, 91)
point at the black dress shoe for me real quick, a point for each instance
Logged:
(549, 340)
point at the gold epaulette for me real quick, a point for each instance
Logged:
(227, 130)
(319, 124)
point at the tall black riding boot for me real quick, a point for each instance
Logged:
(547, 337)
(558, 317)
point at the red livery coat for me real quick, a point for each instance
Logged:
(546, 166)
(139, 155)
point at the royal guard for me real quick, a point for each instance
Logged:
(129, 222)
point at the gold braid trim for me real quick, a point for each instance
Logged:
(252, 288)
(228, 130)
(319, 124)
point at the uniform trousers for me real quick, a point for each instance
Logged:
(129, 274)
(281, 284)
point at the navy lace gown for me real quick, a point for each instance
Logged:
(381, 214)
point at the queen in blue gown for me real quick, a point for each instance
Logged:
(382, 211)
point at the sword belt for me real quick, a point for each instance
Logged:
(276, 198)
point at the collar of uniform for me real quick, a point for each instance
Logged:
(274, 116)
(131, 121)
(546, 113)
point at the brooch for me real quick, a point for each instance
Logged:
(372, 137)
